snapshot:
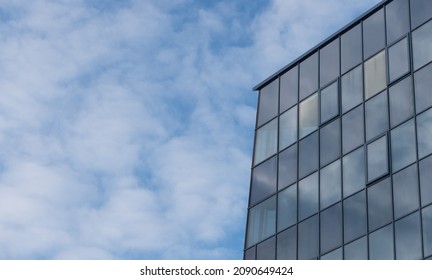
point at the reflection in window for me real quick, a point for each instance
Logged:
(266, 249)
(405, 191)
(381, 244)
(373, 33)
(397, 19)
(423, 85)
(353, 172)
(354, 216)
(329, 102)
(421, 11)
(287, 244)
(329, 62)
(263, 181)
(351, 48)
(308, 155)
(422, 45)
(330, 184)
(330, 143)
(268, 102)
(401, 102)
(250, 254)
(424, 133)
(375, 75)
(308, 76)
(287, 207)
(377, 161)
(334, 255)
(287, 167)
(356, 250)
(403, 145)
(331, 228)
(288, 128)
(398, 59)
(308, 115)
(266, 141)
(352, 88)
(425, 167)
(380, 210)
(289, 89)
(427, 230)
(261, 221)
(308, 238)
(376, 115)
(308, 196)
(352, 129)
(408, 238)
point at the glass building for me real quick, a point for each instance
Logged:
(342, 165)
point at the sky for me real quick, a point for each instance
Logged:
(126, 127)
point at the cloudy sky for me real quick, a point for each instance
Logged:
(126, 126)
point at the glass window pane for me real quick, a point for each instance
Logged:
(373, 33)
(308, 76)
(329, 102)
(421, 11)
(330, 184)
(403, 145)
(423, 86)
(381, 244)
(308, 155)
(308, 196)
(376, 115)
(334, 255)
(268, 102)
(308, 115)
(352, 129)
(427, 230)
(329, 62)
(250, 254)
(287, 244)
(308, 239)
(422, 45)
(397, 19)
(266, 141)
(288, 128)
(425, 167)
(331, 228)
(405, 191)
(287, 167)
(263, 181)
(261, 221)
(352, 88)
(398, 59)
(377, 158)
(380, 211)
(266, 250)
(351, 48)
(401, 102)
(289, 89)
(287, 207)
(356, 250)
(408, 238)
(353, 172)
(354, 216)
(375, 75)
(330, 142)
(424, 133)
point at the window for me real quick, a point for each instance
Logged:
(308, 76)
(377, 158)
(375, 75)
(288, 128)
(376, 115)
(398, 59)
(287, 207)
(352, 88)
(381, 244)
(261, 221)
(405, 191)
(373, 33)
(330, 143)
(354, 216)
(352, 129)
(329, 102)
(329, 62)
(353, 172)
(333, 255)
(356, 250)
(331, 228)
(421, 11)
(268, 102)
(397, 19)
(287, 167)
(308, 196)
(263, 181)
(424, 133)
(330, 184)
(308, 239)
(423, 85)
(427, 230)
(287, 244)
(308, 115)
(401, 102)
(308, 157)
(266, 141)
(289, 89)
(266, 250)
(250, 253)
(408, 238)
(422, 45)
(425, 167)
(403, 145)
(351, 48)
(380, 210)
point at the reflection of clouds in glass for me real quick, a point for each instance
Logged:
(356, 250)
(427, 230)
(355, 216)
(287, 207)
(405, 191)
(403, 145)
(407, 234)
(263, 180)
(288, 128)
(422, 44)
(380, 210)
(266, 141)
(352, 88)
(287, 166)
(309, 75)
(425, 168)
(381, 244)
(308, 115)
(398, 59)
(308, 238)
(376, 115)
(308, 157)
(377, 158)
(262, 221)
(424, 133)
(422, 85)
(308, 196)
(401, 102)
(353, 172)
(375, 75)
(352, 129)
(330, 187)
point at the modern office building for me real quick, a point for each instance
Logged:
(342, 165)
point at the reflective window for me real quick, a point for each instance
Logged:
(330, 184)
(408, 238)
(308, 115)
(308, 238)
(373, 33)
(266, 249)
(351, 48)
(405, 191)
(354, 216)
(329, 62)
(334, 255)
(356, 250)
(375, 75)
(287, 207)
(427, 230)
(329, 102)
(422, 45)
(380, 210)
(261, 221)
(287, 244)
(353, 172)
(308, 196)
(289, 89)
(331, 228)
(263, 181)
(308, 155)
(377, 158)
(403, 145)
(288, 128)
(250, 254)
(308, 76)
(287, 167)
(401, 102)
(352, 129)
(425, 167)
(381, 244)
(266, 141)
(397, 19)
(352, 88)
(376, 115)
(268, 102)
(424, 133)
(423, 85)
(398, 59)
(421, 11)
(330, 143)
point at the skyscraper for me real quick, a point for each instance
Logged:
(342, 165)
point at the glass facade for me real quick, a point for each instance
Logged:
(343, 145)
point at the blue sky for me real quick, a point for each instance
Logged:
(126, 126)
